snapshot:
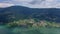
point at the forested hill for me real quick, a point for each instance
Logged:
(12, 13)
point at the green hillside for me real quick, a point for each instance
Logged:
(23, 20)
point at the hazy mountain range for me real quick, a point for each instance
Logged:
(12, 13)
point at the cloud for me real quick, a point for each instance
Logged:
(38, 3)
(3, 5)
(23, 0)
(41, 4)
(33, 3)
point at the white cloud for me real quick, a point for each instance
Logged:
(26, 1)
(38, 3)
(34, 3)
(49, 0)
(3, 5)
(22, 0)
(41, 4)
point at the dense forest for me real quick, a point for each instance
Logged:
(19, 12)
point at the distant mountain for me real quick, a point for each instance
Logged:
(19, 12)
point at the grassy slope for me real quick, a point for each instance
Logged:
(51, 29)
(33, 30)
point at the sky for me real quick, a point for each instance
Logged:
(31, 3)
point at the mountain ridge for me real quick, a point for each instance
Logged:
(19, 12)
